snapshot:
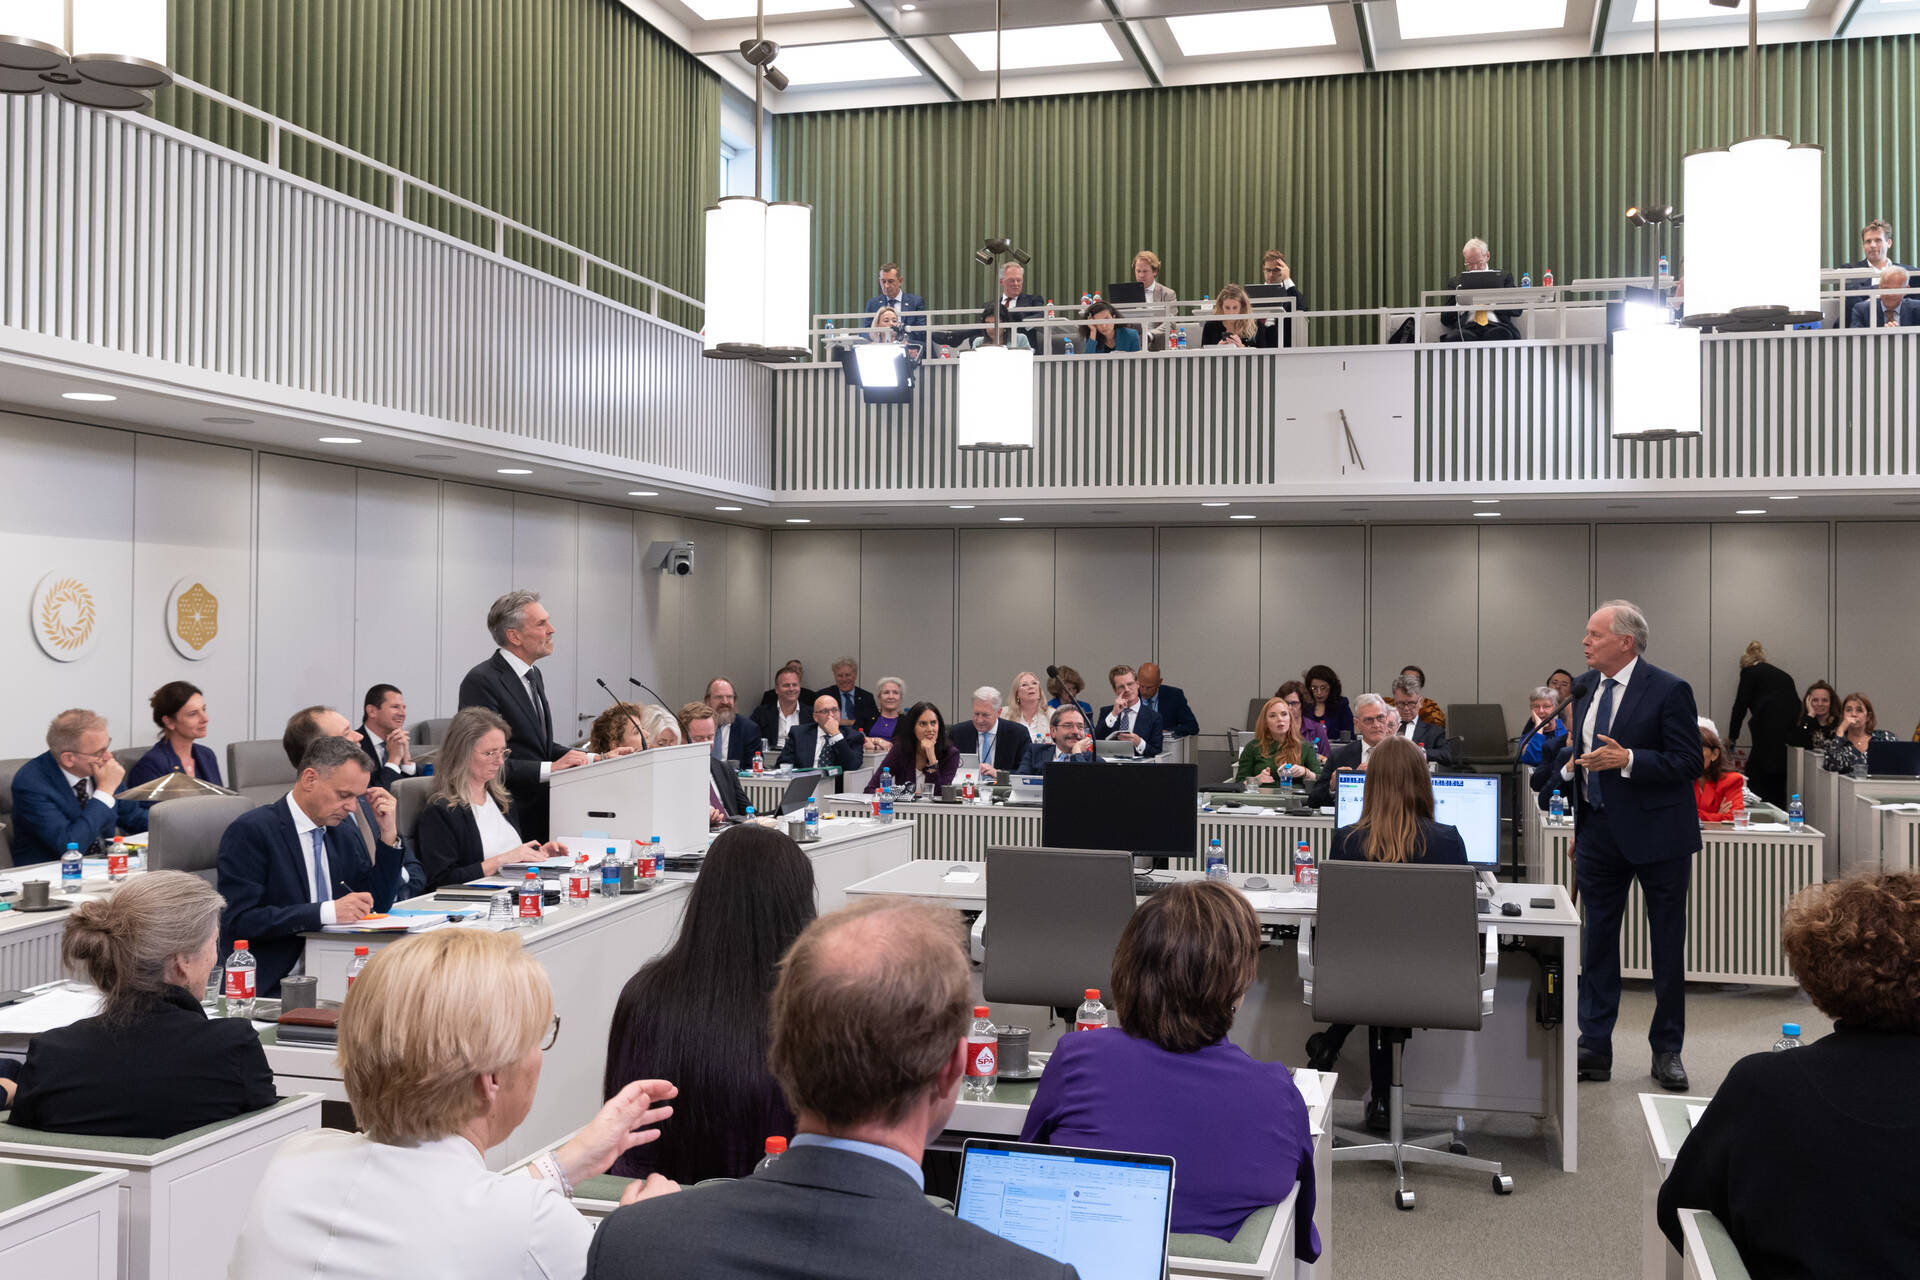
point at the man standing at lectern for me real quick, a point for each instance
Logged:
(1632, 759)
(510, 685)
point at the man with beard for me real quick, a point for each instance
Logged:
(735, 738)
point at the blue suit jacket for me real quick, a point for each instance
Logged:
(1651, 814)
(160, 761)
(1864, 313)
(47, 817)
(264, 880)
(1041, 754)
(1146, 723)
(1175, 715)
(913, 328)
(846, 753)
(1010, 743)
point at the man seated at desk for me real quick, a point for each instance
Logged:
(282, 864)
(1429, 737)
(1891, 309)
(1375, 721)
(1068, 741)
(826, 742)
(726, 798)
(1478, 325)
(1168, 702)
(1128, 719)
(999, 745)
(65, 796)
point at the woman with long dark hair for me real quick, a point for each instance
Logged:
(697, 1014)
(920, 750)
(1819, 717)
(1324, 702)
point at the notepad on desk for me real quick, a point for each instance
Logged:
(410, 922)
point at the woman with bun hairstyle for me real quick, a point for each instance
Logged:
(150, 1064)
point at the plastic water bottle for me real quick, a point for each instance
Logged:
(1092, 1015)
(813, 817)
(1069, 346)
(117, 860)
(1179, 339)
(827, 339)
(983, 1056)
(776, 1147)
(579, 882)
(1086, 299)
(1526, 279)
(759, 762)
(238, 979)
(1665, 270)
(361, 954)
(886, 803)
(1286, 789)
(1557, 807)
(70, 869)
(1547, 279)
(1796, 815)
(1049, 308)
(1306, 873)
(1216, 860)
(656, 859)
(749, 813)
(1789, 1037)
(610, 872)
(532, 905)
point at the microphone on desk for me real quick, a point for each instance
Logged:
(1584, 685)
(630, 717)
(656, 696)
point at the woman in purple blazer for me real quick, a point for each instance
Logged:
(1169, 1082)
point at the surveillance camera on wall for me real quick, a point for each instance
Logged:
(675, 558)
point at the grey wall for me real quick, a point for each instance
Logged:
(332, 578)
(1488, 609)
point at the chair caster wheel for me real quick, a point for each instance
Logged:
(1403, 1200)
(1457, 1147)
(1502, 1185)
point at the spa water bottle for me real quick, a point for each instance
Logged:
(579, 882)
(610, 872)
(532, 900)
(71, 867)
(1216, 860)
(1789, 1038)
(238, 981)
(983, 1056)
(1526, 279)
(1092, 1015)
(1557, 807)
(813, 817)
(1796, 816)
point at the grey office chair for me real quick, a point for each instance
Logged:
(1054, 917)
(184, 835)
(7, 769)
(1483, 726)
(258, 769)
(410, 797)
(429, 733)
(130, 756)
(1254, 706)
(1394, 945)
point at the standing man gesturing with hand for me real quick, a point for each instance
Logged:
(1632, 759)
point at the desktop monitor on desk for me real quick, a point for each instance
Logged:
(1893, 759)
(1467, 802)
(1151, 813)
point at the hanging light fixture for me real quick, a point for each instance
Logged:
(1757, 201)
(993, 403)
(98, 53)
(759, 252)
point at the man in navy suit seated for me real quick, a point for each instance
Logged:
(1000, 745)
(1128, 719)
(1167, 702)
(1876, 255)
(65, 794)
(1068, 741)
(735, 737)
(893, 294)
(289, 867)
(1889, 310)
(1430, 738)
(825, 742)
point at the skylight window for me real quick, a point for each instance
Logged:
(1452, 19)
(1027, 48)
(1252, 31)
(851, 63)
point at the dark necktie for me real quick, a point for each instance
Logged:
(1602, 721)
(846, 705)
(540, 707)
(83, 792)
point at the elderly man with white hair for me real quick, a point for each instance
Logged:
(1890, 309)
(1377, 721)
(1478, 324)
(998, 744)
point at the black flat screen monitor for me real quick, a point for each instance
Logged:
(1481, 280)
(1271, 297)
(1893, 759)
(1121, 294)
(1150, 810)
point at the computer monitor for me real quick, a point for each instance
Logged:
(1151, 811)
(1271, 297)
(1105, 1212)
(1893, 759)
(882, 371)
(1468, 802)
(1132, 291)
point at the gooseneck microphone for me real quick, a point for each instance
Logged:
(630, 716)
(643, 688)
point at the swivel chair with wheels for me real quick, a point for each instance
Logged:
(1397, 946)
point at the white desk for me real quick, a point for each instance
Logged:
(30, 941)
(1742, 880)
(59, 1221)
(1860, 834)
(1511, 1064)
(1667, 1127)
(589, 953)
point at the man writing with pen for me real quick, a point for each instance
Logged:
(290, 867)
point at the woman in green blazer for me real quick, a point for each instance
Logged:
(1277, 751)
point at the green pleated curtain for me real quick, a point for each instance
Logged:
(571, 116)
(1368, 183)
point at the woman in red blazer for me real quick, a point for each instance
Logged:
(1718, 791)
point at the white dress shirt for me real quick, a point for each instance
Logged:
(496, 833)
(1037, 727)
(93, 792)
(339, 1206)
(1619, 679)
(521, 669)
(302, 826)
(1118, 716)
(378, 745)
(786, 723)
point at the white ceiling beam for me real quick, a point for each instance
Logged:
(1142, 49)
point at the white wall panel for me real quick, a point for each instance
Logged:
(605, 612)
(546, 559)
(816, 595)
(306, 590)
(1210, 620)
(1104, 612)
(743, 637)
(906, 613)
(1533, 609)
(1667, 570)
(1875, 619)
(193, 517)
(1771, 583)
(476, 568)
(1005, 624)
(396, 636)
(1313, 603)
(1424, 590)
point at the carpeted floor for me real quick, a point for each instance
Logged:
(1579, 1226)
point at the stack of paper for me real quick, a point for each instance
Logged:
(61, 1006)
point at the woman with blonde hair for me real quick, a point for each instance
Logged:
(150, 1064)
(1027, 705)
(1243, 331)
(467, 830)
(441, 1040)
(1768, 695)
(1277, 750)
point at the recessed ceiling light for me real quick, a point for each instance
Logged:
(91, 397)
(433, 457)
(513, 471)
(1442, 19)
(798, 520)
(1252, 30)
(643, 493)
(1011, 519)
(731, 10)
(1783, 497)
(339, 439)
(1486, 502)
(1243, 515)
(229, 422)
(1216, 504)
(1751, 511)
(1027, 48)
(960, 506)
(1486, 515)
(1690, 10)
(729, 508)
(852, 62)
(908, 8)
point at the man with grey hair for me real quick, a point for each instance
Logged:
(1630, 763)
(296, 865)
(511, 686)
(857, 706)
(65, 795)
(1430, 738)
(982, 736)
(1377, 721)
(1891, 309)
(1479, 324)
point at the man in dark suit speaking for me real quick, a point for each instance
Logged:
(511, 686)
(1631, 760)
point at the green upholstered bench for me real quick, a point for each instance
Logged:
(179, 1215)
(59, 1220)
(1710, 1253)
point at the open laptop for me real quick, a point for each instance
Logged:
(1893, 759)
(1122, 294)
(794, 799)
(1113, 749)
(1105, 1212)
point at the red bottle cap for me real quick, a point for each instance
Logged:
(360, 951)
(240, 944)
(979, 1011)
(776, 1145)
(1093, 993)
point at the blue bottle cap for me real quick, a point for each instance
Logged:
(1791, 1029)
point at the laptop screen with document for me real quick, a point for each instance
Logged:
(1105, 1212)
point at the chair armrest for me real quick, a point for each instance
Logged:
(1489, 969)
(1304, 949)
